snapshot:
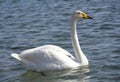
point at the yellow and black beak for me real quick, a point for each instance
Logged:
(85, 16)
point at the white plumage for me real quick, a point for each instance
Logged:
(51, 57)
(47, 57)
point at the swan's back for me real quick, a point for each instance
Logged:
(48, 57)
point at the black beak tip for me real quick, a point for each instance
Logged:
(90, 17)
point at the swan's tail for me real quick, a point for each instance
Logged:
(16, 56)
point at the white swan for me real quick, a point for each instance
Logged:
(51, 57)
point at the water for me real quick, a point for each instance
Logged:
(26, 24)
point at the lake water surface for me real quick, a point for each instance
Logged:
(27, 24)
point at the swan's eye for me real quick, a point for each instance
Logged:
(78, 13)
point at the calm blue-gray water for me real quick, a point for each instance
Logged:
(27, 24)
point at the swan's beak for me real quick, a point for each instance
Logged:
(88, 17)
(85, 16)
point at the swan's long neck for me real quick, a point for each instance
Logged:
(75, 42)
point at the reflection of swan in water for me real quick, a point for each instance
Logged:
(69, 75)
(51, 57)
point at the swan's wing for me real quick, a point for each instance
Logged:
(59, 50)
(50, 47)
(47, 58)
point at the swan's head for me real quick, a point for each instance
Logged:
(80, 15)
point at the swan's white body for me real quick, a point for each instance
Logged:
(51, 57)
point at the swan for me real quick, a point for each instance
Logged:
(52, 57)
